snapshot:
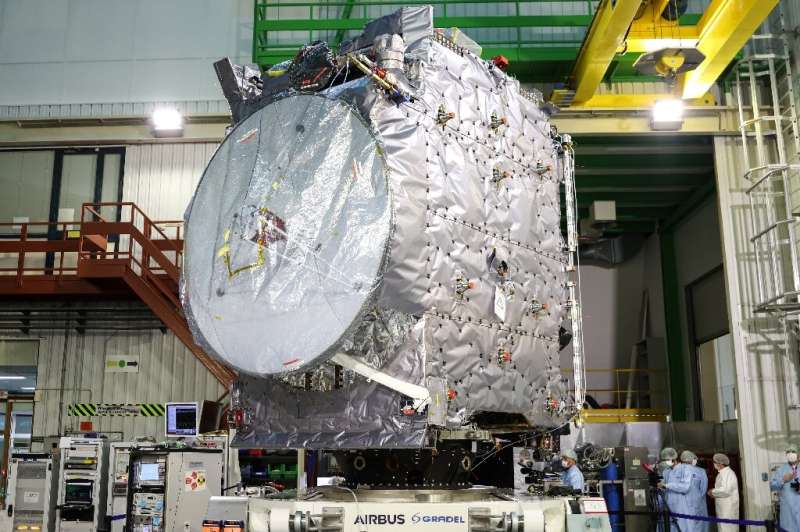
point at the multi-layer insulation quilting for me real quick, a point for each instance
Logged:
(420, 235)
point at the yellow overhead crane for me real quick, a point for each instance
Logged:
(636, 26)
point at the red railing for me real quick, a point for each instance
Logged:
(30, 241)
(126, 246)
(92, 237)
(133, 241)
(132, 222)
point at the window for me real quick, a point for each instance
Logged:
(26, 179)
(78, 174)
(111, 190)
(21, 426)
(713, 360)
(18, 360)
(717, 379)
(89, 176)
(51, 185)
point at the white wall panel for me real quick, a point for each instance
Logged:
(83, 38)
(161, 178)
(766, 378)
(167, 372)
(611, 301)
(32, 30)
(105, 51)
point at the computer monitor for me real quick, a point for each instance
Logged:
(78, 491)
(182, 420)
(210, 414)
(148, 472)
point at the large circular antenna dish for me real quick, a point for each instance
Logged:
(287, 236)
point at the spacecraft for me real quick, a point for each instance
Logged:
(377, 249)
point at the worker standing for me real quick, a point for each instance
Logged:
(571, 476)
(699, 488)
(785, 481)
(668, 457)
(681, 496)
(725, 493)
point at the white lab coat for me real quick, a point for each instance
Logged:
(726, 498)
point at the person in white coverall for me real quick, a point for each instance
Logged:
(571, 476)
(699, 488)
(668, 458)
(725, 493)
(681, 488)
(783, 482)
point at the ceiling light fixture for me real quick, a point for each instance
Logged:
(166, 122)
(667, 115)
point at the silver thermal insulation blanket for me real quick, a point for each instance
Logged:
(421, 238)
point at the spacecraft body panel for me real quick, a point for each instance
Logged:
(422, 238)
(282, 210)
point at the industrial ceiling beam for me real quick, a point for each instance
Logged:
(641, 42)
(651, 32)
(638, 214)
(610, 101)
(606, 33)
(611, 149)
(647, 182)
(442, 22)
(720, 33)
(613, 123)
(724, 29)
(532, 54)
(643, 160)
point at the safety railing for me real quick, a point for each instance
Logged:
(38, 248)
(609, 388)
(131, 235)
(770, 147)
(54, 249)
(113, 240)
(151, 250)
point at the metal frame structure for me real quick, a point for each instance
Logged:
(622, 27)
(764, 79)
(645, 396)
(605, 36)
(724, 29)
(518, 33)
(131, 255)
(575, 311)
(606, 39)
(353, 16)
(765, 76)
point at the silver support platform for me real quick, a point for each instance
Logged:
(479, 509)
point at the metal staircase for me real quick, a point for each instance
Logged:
(128, 254)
